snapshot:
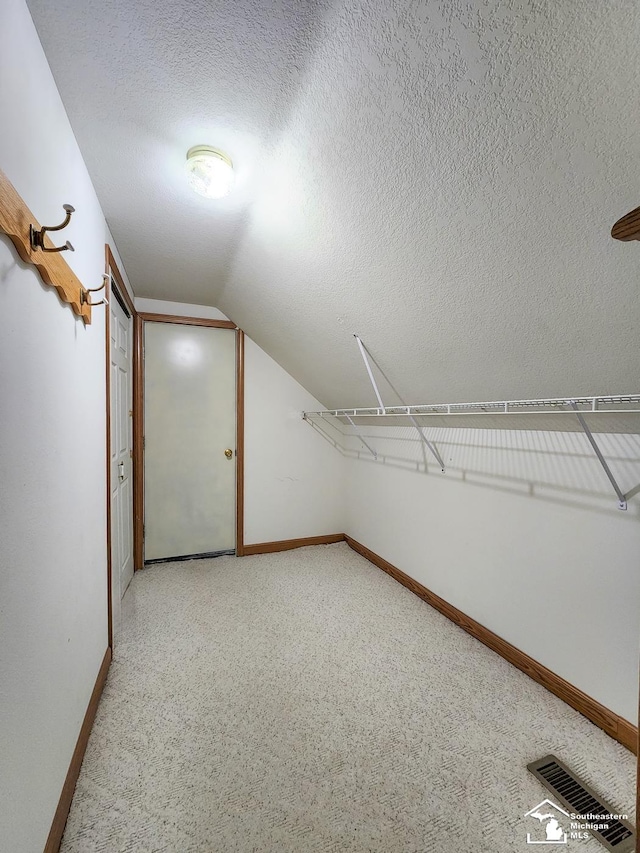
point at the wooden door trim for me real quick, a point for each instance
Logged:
(138, 443)
(240, 550)
(107, 333)
(187, 321)
(144, 317)
(110, 262)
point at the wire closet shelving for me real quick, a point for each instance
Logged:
(609, 404)
(577, 407)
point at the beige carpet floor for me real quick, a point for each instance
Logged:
(305, 701)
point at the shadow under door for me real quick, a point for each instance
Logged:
(189, 456)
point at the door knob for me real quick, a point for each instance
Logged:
(228, 453)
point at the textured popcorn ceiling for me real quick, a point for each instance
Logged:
(439, 177)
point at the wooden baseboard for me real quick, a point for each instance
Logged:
(288, 544)
(614, 725)
(64, 803)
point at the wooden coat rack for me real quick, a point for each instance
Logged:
(16, 221)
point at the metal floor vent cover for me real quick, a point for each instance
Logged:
(572, 793)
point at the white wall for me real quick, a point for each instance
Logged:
(53, 581)
(517, 561)
(293, 479)
(523, 534)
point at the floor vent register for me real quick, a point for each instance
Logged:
(586, 811)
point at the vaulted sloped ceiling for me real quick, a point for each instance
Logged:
(438, 177)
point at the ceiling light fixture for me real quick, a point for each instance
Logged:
(209, 171)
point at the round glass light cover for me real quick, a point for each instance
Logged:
(209, 171)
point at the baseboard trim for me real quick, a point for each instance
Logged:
(614, 725)
(64, 803)
(288, 544)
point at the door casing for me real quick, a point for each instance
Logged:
(111, 268)
(138, 421)
(121, 408)
(138, 407)
(189, 412)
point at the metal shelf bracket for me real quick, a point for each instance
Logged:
(622, 500)
(424, 438)
(363, 352)
(357, 432)
(365, 356)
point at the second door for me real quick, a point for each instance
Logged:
(189, 417)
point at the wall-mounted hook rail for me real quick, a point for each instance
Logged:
(85, 299)
(36, 236)
(19, 224)
(622, 500)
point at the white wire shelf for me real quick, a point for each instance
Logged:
(621, 404)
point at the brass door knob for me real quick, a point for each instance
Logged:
(228, 453)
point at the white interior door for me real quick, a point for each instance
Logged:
(190, 423)
(121, 403)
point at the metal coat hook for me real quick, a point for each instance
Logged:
(37, 237)
(84, 293)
